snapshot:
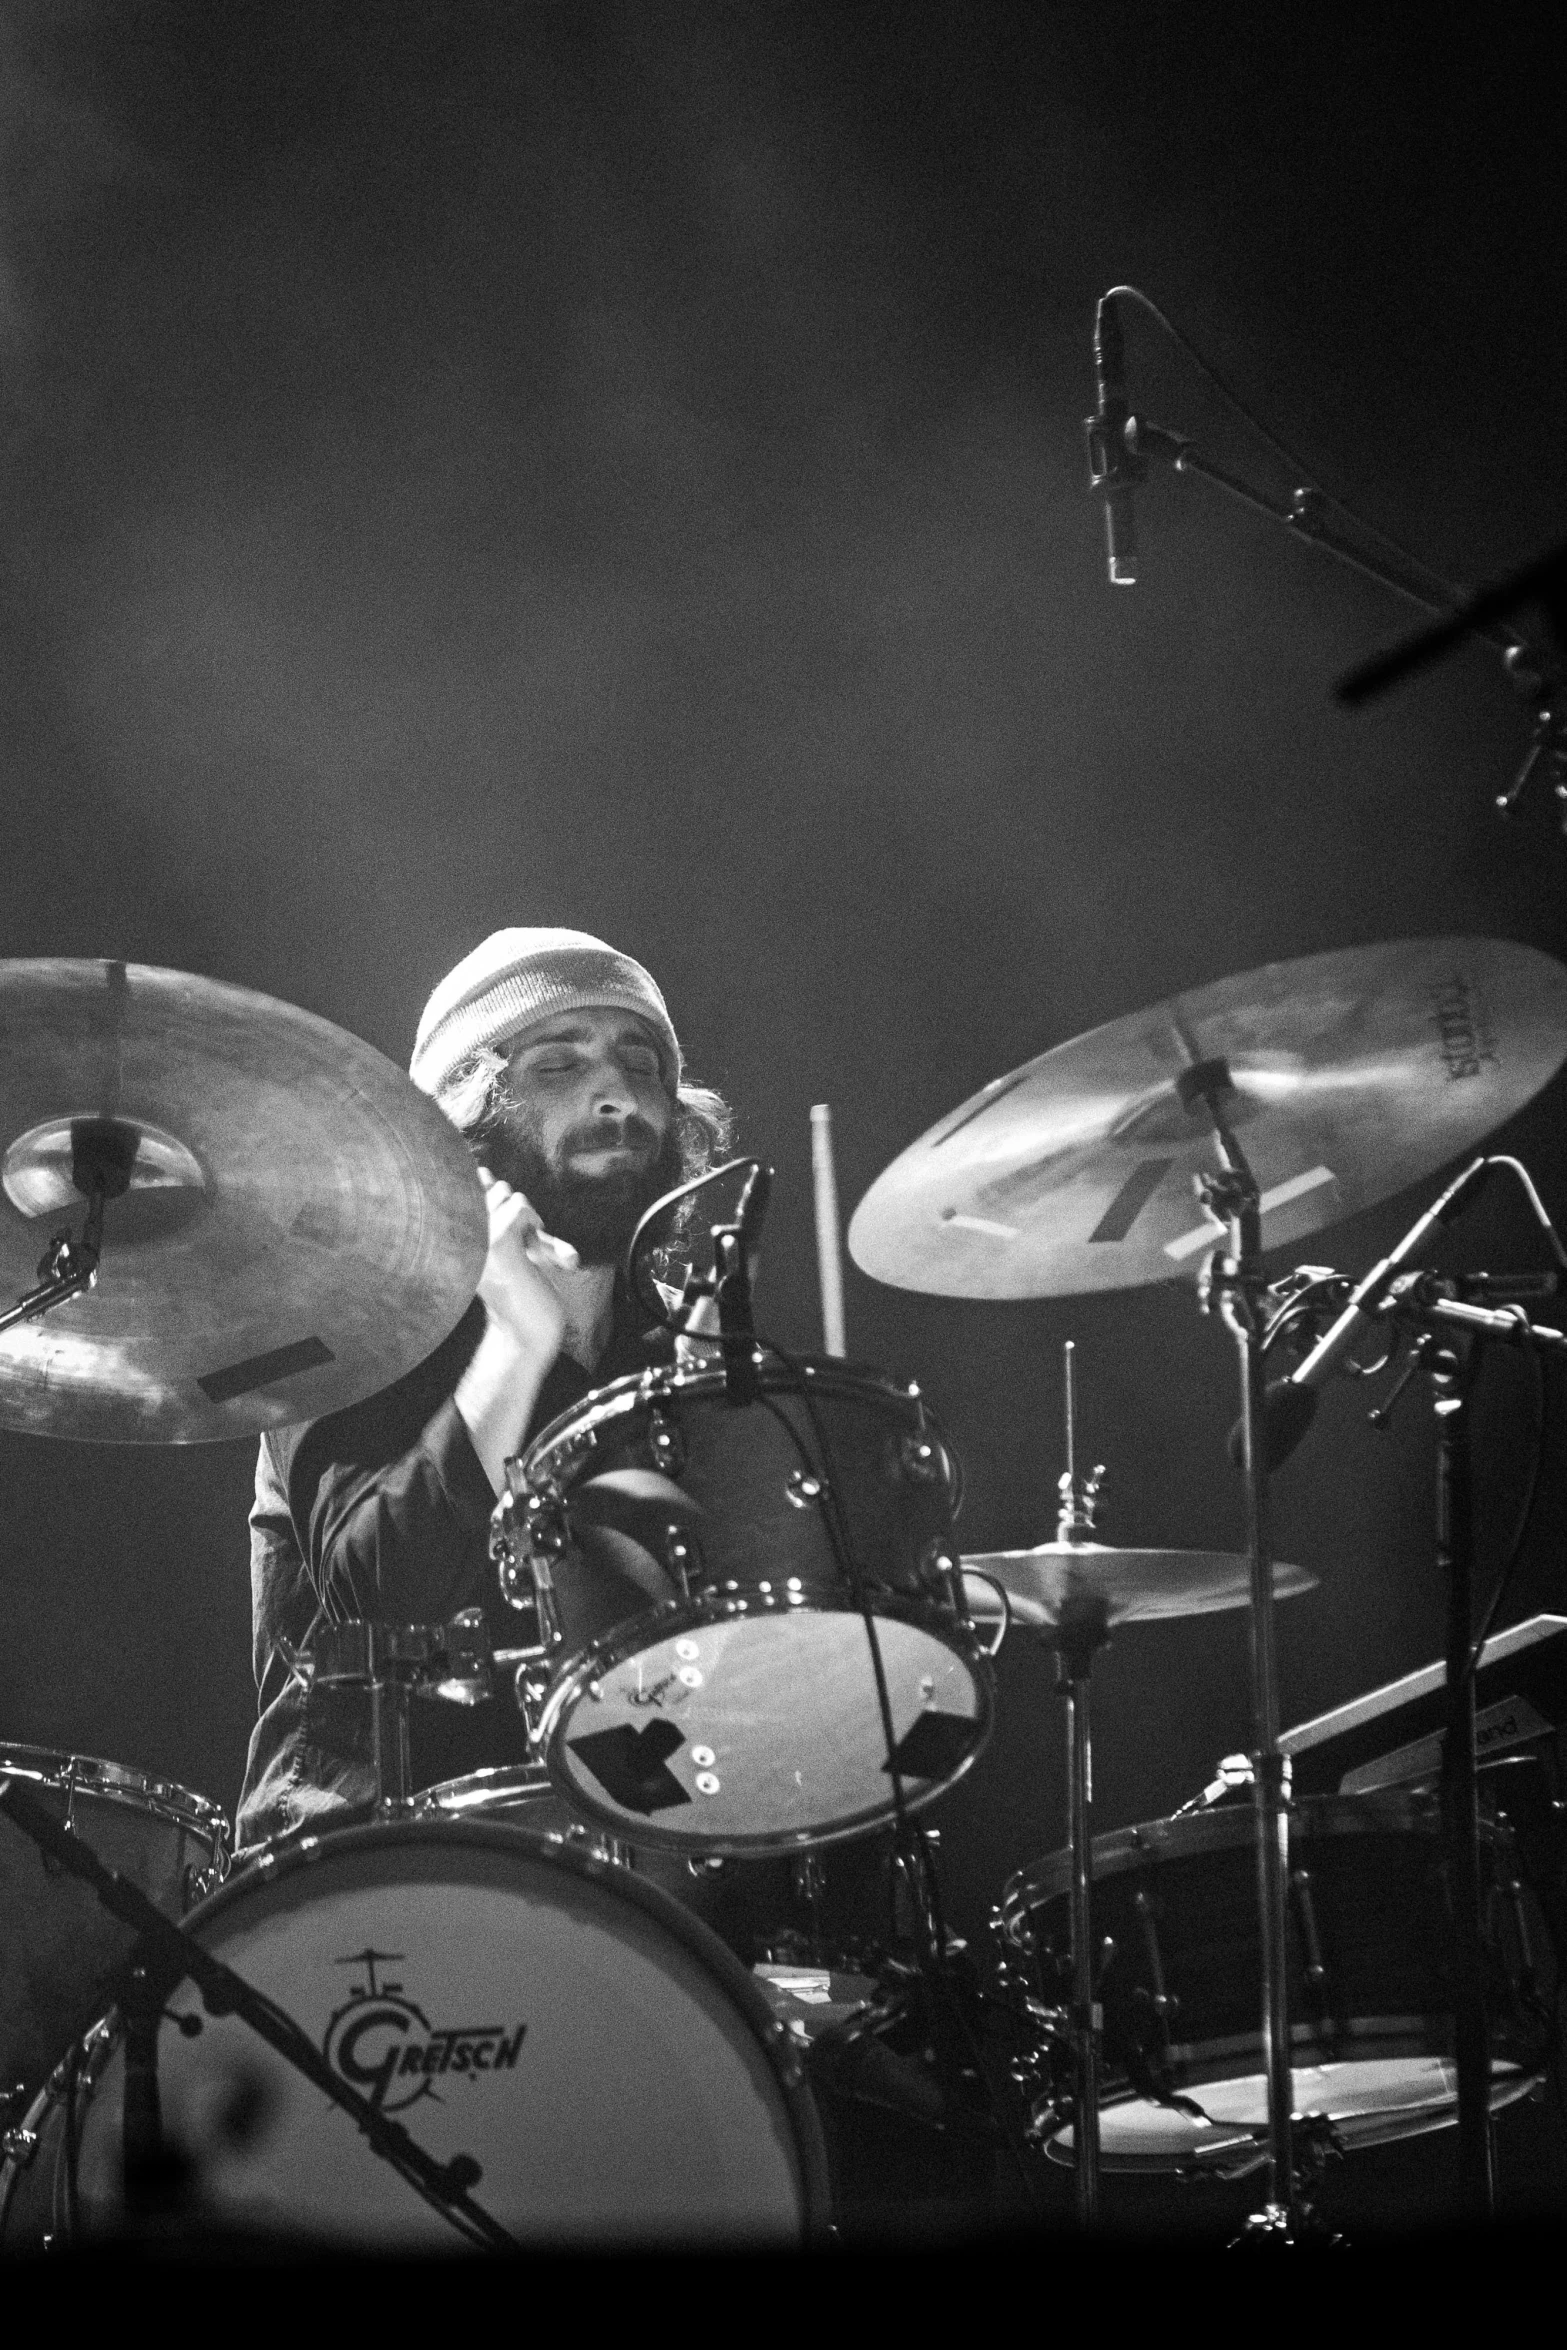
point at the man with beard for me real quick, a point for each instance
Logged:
(557, 1058)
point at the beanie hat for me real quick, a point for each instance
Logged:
(519, 977)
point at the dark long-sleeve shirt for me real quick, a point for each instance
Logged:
(383, 1510)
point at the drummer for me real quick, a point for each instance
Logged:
(555, 1055)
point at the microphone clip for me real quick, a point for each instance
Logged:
(1114, 460)
(736, 1322)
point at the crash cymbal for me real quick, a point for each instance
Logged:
(1137, 1586)
(1353, 1075)
(301, 1224)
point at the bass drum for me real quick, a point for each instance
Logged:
(608, 2065)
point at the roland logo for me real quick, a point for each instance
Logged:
(1463, 1035)
(386, 2047)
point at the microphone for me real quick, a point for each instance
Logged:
(1290, 1405)
(733, 1248)
(752, 1207)
(1112, 467)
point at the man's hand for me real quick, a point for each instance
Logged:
(516, 1291)
(525, 1320)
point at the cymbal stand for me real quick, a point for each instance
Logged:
(1082, 1628)
(1452, 1373)
(1233, 1279)
(103, 1153)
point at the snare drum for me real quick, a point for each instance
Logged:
(612, 2070)
(714, 1688)
(60, 1952)
(1370, 1978)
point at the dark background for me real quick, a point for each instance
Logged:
(622, 466)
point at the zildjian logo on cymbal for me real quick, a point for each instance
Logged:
(386, 2047)
(1464, 1039)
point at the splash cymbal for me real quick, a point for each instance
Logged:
(1351, 1075)
(299, 1224)
(1136, 1586)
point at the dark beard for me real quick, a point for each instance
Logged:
(597, 1214)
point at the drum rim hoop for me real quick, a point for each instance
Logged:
(831, 1375)
(1159, 1843)
(56, 1767)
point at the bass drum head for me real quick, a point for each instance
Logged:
(754, 1729)
(599, 2055)
(1369, 2102)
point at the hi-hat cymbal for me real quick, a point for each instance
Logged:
(301, 1225)
(1136, 1586)
(1353, 1075)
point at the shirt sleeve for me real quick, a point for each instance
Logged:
(405, 1540)
(389, 1502)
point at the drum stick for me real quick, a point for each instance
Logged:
(829, 1260)
(1068, 1350)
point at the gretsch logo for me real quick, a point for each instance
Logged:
(386, 2047)
(1464, 1039)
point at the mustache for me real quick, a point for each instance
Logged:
(632, 1133)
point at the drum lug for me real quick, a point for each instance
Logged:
(17, 2144)
(683, 1558)
(804, 1488)
(666, 1445)
(531, 1688)
(522, 1552)
(921, 1458)
(941, 1571)
(199, 1882)
(1161, 2001)
(1316, 1971)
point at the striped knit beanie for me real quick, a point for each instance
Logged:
(519, 977)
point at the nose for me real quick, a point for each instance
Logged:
(612, 1096)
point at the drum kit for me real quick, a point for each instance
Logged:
(746, 1628)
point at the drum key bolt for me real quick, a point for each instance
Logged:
(803, 1489)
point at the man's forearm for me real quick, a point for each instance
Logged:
(495, 1398)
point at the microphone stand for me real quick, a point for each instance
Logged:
(1453, 1334)
(1454, 1370)
(1452, 1383)
(1305, 516)
(165, 1955)
(1234, 1279)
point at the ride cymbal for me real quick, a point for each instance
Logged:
(1136, 1586)
(300, 1224)
(1351, 1075)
